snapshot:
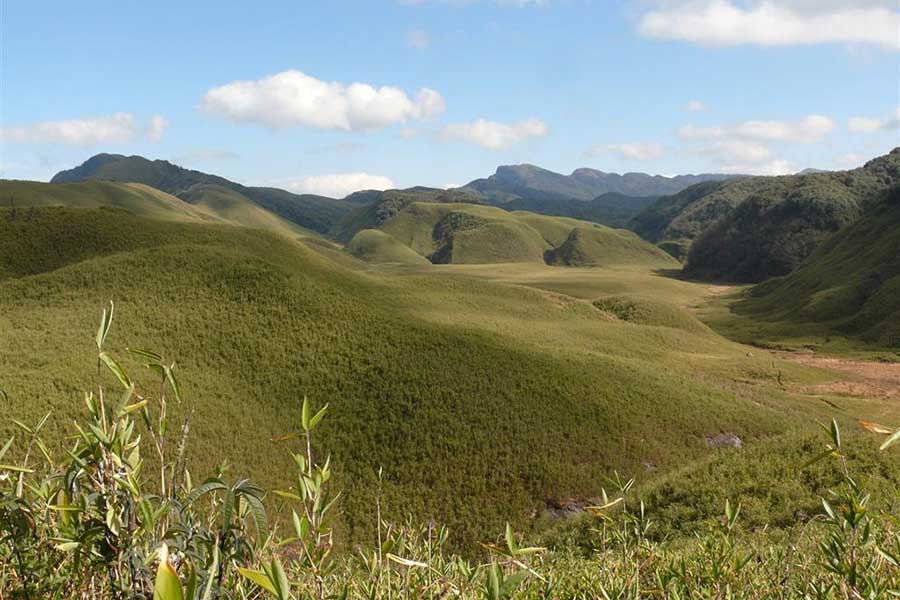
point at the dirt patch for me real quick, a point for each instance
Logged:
(859, 378)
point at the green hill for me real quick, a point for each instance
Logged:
(316, 213)
(463, 233)
(374, 246)
(849, 286)
(136, 198)
(480, 400)
(753, 228)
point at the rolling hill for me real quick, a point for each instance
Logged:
(480, 400)
(462, 233)
(753, 228)
(316, 213)
(848, 287)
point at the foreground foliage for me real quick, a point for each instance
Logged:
(118, 515)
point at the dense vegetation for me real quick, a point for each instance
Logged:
(463, 233)
(529, 182)
(458, 387)
(117, 515)
(849, 287)
(753, 228)
(316, 213)
(611, 209)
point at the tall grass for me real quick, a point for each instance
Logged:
(95, 517)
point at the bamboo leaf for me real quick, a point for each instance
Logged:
(116, 369)
(167, 585)
(260, 579)
(891, 440)
(405, 561)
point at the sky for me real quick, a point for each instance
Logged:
(331, 97)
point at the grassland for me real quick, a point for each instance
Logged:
(484, 390)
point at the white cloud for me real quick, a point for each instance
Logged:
(118, 127)
(869, 125)
(808, 129)
(450, 186)
(418, 39)
(294, 98)
(409, 133)
(773, 167)
(770, 23)
(695, 106)
(494, 135)
(740, 151)
(158, 124)
(633, 151)
(339, 185)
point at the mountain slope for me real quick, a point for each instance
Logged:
(757, 227)
(448, 384)
(317, 213)
(611, 209)
(850, 285)
(534, 183)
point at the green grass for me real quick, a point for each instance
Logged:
(844, 298)
(480, 398)
(460, 233)
(374, 246)
(136, 198)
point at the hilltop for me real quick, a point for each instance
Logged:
(316, 213)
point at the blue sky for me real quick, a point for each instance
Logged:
(331, 96)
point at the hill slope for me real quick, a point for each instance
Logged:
(850, 285)
(480, 400)
(316, 213)
(757, 227)
(463, 233)
(136, 198)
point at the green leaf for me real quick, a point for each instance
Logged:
(207, 592)
(405, 561)
(895, 437)
(173, 382)
(15, 469)
(822, 456)
(510, 539)
(6, 446)
(835, 433)
(493, 582)
(512, 582)
(304, 414)
(260, 579)
(68, 546)
(105, 323)
(167, 585)
(280, 579)
(318, 417)
(116, 369)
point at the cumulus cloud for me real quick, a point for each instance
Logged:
(850, 161)
(90, 131)
(158, 125)
(633, 151)
(770, 23)
(493, 135)
(695, 106)
(417, 39)
(293, 98)
(870, 125)
(808, 129)
(339, 185)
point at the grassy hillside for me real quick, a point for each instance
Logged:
(849, 287)
(374, 246)
(462, 233)
(136, 198)
(758, 227)
(316, 213)
(237, 209)
(481, 400)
